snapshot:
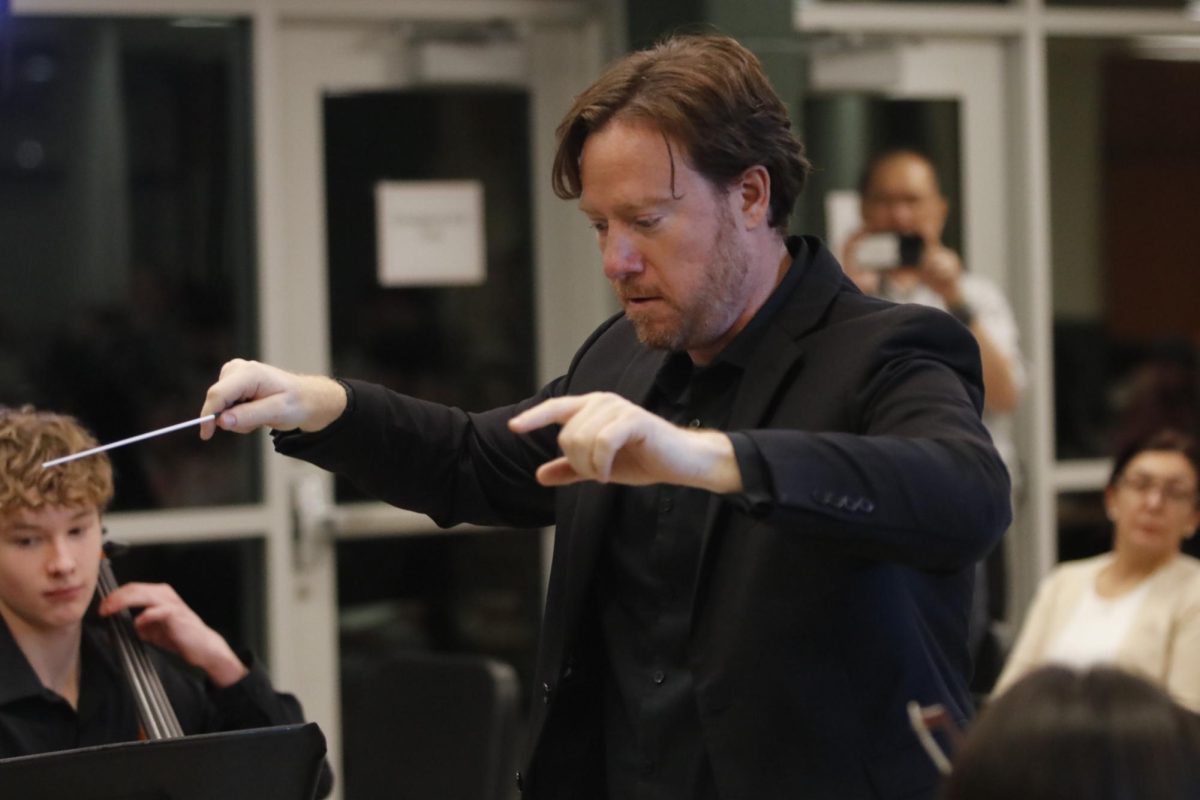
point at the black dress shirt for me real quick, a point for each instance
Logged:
(34, 719)
(647, 581)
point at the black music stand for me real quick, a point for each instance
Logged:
(280, 762)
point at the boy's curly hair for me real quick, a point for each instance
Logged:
(28, 438)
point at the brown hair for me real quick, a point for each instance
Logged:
(867, 177)
(1165, 440)
(707, 93)
(28, 438)
(1102, 734)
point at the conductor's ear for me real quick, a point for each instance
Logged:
(754, 195)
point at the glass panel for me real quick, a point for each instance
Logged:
(1123, 167)
(125, 220)
(467, 346)
(220, 580)
(470, 593)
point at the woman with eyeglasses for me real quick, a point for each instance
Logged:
(1136, 607)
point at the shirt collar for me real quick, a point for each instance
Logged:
(17, 678)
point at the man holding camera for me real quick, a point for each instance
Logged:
(901, 195)
(898, 254)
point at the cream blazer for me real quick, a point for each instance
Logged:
(1163, 643)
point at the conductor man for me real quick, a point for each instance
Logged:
(769, 489)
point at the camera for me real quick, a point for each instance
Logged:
(879, 251)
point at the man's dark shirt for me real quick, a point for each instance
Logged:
(34, 719)
(647, 581)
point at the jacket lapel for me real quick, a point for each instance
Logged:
(780, 351)
(777, 358)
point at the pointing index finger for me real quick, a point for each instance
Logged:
(555, 410)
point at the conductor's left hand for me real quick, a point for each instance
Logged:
(606, 438)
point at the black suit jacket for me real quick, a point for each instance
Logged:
(818, 615)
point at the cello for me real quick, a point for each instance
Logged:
(156, 716)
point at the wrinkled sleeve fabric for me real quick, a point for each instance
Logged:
(913, 480)
(450, 464)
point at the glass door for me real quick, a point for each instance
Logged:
(426, 134)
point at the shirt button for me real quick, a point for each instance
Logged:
(667, 505)
(694, 423)
(659, 677)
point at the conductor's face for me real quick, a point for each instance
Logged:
(669, 241)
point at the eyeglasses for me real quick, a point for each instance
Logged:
(925, 720)
(1170, 492)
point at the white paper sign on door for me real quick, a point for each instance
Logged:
(430, 233)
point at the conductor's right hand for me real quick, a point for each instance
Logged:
(249, 395)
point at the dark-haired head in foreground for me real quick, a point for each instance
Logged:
(1102, 734)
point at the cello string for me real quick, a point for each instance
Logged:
(154, 707)
(142, 672)
(161, 704)
(124, 646)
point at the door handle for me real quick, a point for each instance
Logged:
(314, 519)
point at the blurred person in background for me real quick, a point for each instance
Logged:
(1137, 606)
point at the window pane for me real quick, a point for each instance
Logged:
(1123, 130)
(125, 219)
(468, 346)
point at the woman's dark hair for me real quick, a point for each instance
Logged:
(1102, 734)
(1164, 440)
(707, 93)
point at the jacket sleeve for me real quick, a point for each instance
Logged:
(453, 465)
(911, 476)
(450, 464)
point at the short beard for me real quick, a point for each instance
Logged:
(712, 312)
